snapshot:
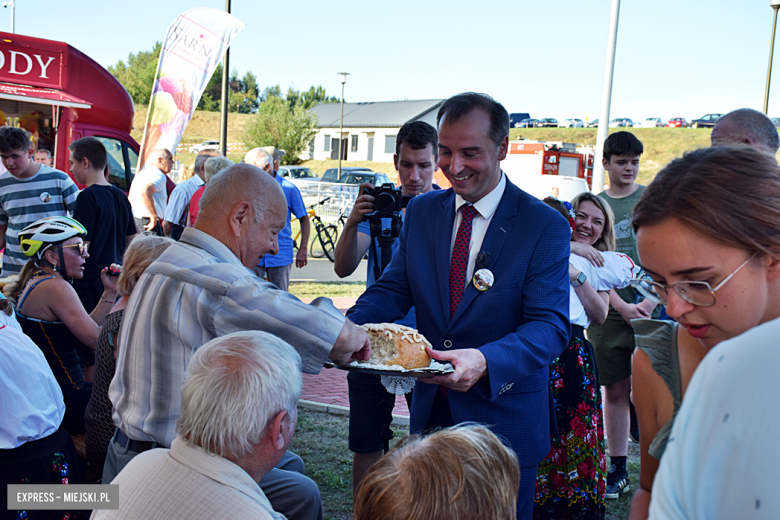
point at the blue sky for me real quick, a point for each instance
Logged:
(675, 58)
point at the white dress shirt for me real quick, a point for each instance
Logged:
(486, 207)
(31, 404)
(721, 459)
(180, 198)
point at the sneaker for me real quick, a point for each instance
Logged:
(633, 429)
(617, 482)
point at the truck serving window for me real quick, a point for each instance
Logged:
(122, 162)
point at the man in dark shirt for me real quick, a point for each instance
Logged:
(106, 213)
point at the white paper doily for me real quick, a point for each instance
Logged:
(398, 385)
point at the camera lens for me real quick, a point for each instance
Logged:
(385, 202)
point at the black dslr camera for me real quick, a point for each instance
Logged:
(388, 201)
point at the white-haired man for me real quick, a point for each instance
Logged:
(746, 126)
(148, 193)
(276, 268)
(238, 416)
(202, 288)
(175, 218)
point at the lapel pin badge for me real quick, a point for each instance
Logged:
(483, 280)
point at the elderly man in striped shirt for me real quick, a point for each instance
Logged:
(202, 288)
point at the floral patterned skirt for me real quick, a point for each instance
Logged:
(571, 480)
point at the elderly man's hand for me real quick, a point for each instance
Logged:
(302, 257)
(470, 366)
(351, 345)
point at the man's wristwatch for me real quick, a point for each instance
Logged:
(579, 280)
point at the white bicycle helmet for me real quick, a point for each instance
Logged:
(35, 238)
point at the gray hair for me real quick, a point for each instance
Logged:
(259, 157)
(240, 182)
(235, 385)
(159, 153)
(214, 165)
(753, 125)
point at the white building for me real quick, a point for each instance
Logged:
(369, 128)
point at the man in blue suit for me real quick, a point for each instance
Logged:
(499, 340)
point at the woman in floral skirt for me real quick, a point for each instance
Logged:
(571, 482)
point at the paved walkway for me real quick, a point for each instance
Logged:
(327, 391)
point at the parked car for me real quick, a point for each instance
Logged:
(205, 145)
(332, 174)
(706, 121)
(621, 122)
(677, 122)
(375, 178)
(776, 121)
(527, 123)
(592, 124)
(301, 176)
(548, 122)
(651, 122)
(517, 117)
(572, 123)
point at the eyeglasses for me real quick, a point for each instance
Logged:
(696, 293)
(82, 247)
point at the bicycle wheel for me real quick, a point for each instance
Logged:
(315, 248)
(327, 237)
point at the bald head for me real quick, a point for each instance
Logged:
(746, 126)
(260, 158)
(243, 208)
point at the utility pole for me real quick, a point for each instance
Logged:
(12, 5)
(223, 120)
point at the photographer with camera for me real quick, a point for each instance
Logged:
(371, 405)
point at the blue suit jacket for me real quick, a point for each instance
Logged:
(520, 325)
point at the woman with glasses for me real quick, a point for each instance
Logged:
(571, 480)
(708, 234)
(50, 312)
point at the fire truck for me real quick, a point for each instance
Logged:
(544, 168)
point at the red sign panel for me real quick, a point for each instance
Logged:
(28, 66)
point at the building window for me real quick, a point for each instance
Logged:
(389, 144)
(353, 148)
(327, 143)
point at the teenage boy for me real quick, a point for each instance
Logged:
(370, 404)
(28, 192)
(103, 209)
(614, 340)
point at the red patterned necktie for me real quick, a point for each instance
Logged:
(460, 257)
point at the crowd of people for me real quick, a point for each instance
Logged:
(159, 326)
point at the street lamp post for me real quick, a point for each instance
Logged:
(775, 4)
(12, 5)
(341, 124)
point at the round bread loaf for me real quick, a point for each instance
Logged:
(396, 345)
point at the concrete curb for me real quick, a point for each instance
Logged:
(398, 420)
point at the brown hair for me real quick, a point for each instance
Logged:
(458, 473)
(606, 241)
(728, 194)
(142, 251)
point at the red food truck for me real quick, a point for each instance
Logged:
(59, 95)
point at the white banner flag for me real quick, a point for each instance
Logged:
(194, 44)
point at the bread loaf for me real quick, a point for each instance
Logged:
(396, 345)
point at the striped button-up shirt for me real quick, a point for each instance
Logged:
(196, 291)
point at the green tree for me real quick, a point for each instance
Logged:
(137, 76)
(277, 124)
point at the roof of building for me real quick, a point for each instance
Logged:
(374, 114)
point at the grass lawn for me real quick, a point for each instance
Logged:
(321, 440)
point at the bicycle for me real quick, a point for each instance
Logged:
(323, 243)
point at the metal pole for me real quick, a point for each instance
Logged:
(769, 71)
(606, 99)
(224, 103)
(341, 129)
(13, 17)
